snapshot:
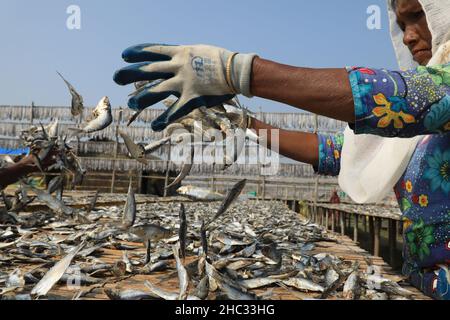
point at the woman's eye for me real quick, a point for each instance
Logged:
(419, 14)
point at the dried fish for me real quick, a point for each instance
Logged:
(163, 294)
(137, 152)
(57, 206)
(202, 289)
(129, 295)
(101, 118)
(182, 274)
(129, 210)
(303, 284)
(183, 231)
(258, 283)
(351, 286)
(229, 199)
(199, 193)
(55, 273)
(77, 99)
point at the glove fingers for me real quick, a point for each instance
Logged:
(144, 72)
(152, 94)
(182, 108)
(149, 52)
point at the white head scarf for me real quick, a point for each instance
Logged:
(372, 165)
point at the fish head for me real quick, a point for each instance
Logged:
(104, 104)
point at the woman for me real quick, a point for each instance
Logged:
(404, 104)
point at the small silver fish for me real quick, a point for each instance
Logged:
(136, 151)
(129, 295)
(388, 286)
(202, 289)
(303, 285)
(77, 99)
(151, 232)
(200, 193)
(93, 202)
(351, 286)
(152, 147)
(229, 199)
(55, 184)
(55, 273)
(129, 210)
(57, 206)
(258, 283)
(182, 234)
(182, 274)
(163, 294)
(101, 118)
(187, 164)
(157, 267)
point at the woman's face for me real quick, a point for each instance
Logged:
(417, 36)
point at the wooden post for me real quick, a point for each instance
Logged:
(116, 151)
(355, 228)
(392, 240)
(349, 221)
(326, 219)
(32, 113)
(286, 196)
(333, 220)
(263, 188)
(376, 247)
(316, 185)
(140, 181)
(341, 217)
(371, 233)
(365, 223)
(166, 181)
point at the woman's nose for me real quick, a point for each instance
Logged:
(411, 37)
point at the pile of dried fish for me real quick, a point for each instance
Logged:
(222, 250)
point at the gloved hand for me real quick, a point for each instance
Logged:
(198, 75)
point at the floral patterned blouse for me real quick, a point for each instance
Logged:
(406, 104)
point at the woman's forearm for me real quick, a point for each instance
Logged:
(15, 172)
(299, 146)
(322, 91)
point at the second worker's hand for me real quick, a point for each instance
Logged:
(197, 75)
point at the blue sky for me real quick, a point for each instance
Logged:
(35, 41)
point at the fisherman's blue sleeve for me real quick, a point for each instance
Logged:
(401, 104)
(330, 148)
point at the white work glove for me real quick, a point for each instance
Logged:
(198, 75)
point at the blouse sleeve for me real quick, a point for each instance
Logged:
(401, 104)
(330, 148)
